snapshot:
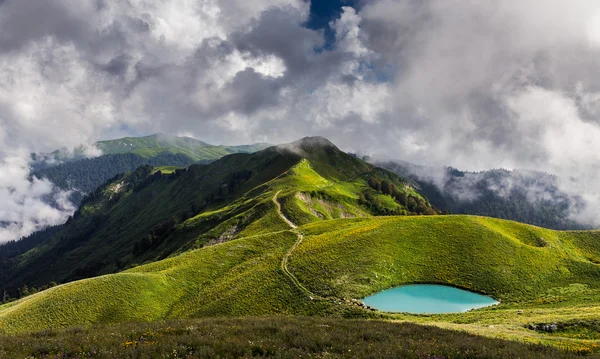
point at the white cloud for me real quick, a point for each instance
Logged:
(470, 84)
(90, 67)
(25, 203)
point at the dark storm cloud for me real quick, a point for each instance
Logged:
(278, 32)
(118, 65)
(24, 21)
(252, 91)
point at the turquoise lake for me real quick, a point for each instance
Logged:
(427, 298)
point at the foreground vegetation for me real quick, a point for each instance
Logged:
(278, 337)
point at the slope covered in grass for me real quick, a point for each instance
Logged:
(545, 273)
(240, 277)
(512, 262)
(135, 218)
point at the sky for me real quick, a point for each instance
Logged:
(471, 84)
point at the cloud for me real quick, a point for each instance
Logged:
(28, 204)
(474, 85)
(71, 72)
(492, 84)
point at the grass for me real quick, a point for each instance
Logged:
(491, 256)
(541, 276)
(217, 280)
(352, 258)
(276, 337)
(166, 169)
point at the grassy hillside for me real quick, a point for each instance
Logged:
(153, 213)
(550, 276)
(511, 261)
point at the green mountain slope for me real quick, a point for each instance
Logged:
(549, 274)
(146, 215)
(151, 146)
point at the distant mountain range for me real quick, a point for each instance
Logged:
(146, 147)
(82, 175)
(157, 144)
(525, 196)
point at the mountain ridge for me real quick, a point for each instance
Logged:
(148, 215)
(81, 175)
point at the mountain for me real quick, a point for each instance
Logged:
(148, 214)
(83, 175)
(524, 196)
(321, 267)
(297, 229)
(153, 145)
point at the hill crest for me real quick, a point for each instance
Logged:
(152, 213)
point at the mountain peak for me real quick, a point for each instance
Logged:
(315, 141)
(308, 145)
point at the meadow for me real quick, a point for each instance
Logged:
(273, 337)
(347, 259)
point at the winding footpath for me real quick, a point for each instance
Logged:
(284, 261)
(286, 271)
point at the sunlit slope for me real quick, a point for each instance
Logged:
(145, 209)
(344, 258)
(512, 262)
(240, 277)
(147, 215)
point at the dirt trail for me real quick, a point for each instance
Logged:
(284, 261)
(278, 206)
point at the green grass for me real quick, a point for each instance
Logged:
(491, 256)
(240, 277)
(275, 337)
(166, 169)
(550, 280)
